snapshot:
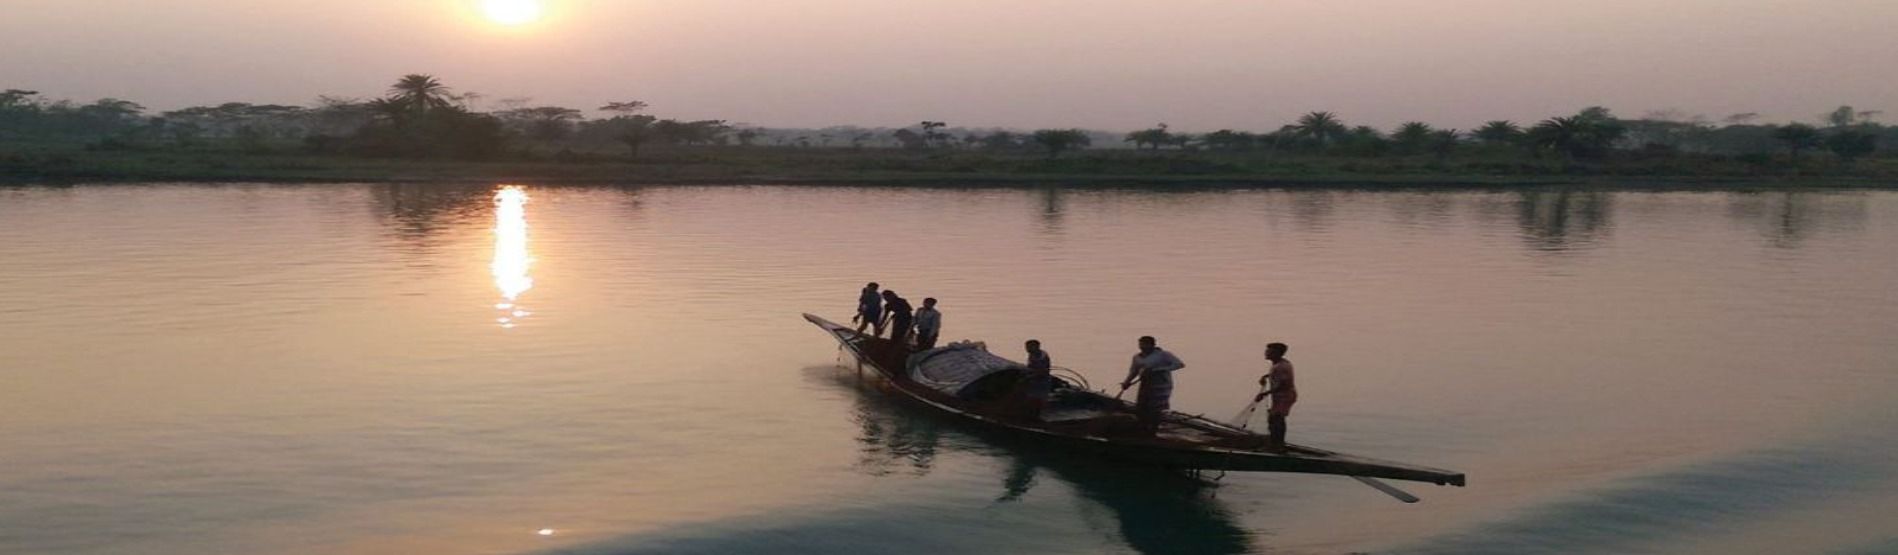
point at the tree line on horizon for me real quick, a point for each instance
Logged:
(420, 117)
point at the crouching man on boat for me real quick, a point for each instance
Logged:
(1283, 390)
(898, 317)
(1153, 369)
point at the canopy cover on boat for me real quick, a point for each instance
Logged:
(954, 367)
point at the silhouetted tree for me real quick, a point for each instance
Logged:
(1228, 140)
(544, 123)
(1412, 137)
(1056, 141)
(1154, 137)
(626, 108)
(1846, 116)
(931, 136)
(419, 94)
(1001, 141)
(911, 140)
(1364, 140)
(1667, 131)
(1184, 141)
(699, 132)
(1851, 144)
(1323, 128)
(1797, 137)
(1588, 134)
(1499, 132)
(18, 99)
(1444, 142)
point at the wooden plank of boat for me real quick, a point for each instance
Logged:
(1185, 441)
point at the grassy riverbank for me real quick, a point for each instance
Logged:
(733, 165)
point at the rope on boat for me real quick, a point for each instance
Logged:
(1076, 375)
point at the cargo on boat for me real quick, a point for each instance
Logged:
(966, 381)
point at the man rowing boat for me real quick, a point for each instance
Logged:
(1153, 369)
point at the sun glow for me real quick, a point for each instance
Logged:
(512, 12)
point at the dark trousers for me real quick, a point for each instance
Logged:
(1275, 425)
(899, 329)
(925, 341)
(1153, 401)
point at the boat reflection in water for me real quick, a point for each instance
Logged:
(511, 258)
(1156, 511)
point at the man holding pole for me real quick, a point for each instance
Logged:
(1153, 369)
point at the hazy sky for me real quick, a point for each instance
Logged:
(1117, 64)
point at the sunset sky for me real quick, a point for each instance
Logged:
(1113, 64)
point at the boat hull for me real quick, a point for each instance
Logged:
(1226, 448)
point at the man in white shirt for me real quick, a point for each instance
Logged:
(1153, 369)
(928, 325)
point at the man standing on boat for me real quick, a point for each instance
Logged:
(928, 325)
(869, 310)
(1153, 369)
(897, 316)
(1283, 390)
(1037, 382)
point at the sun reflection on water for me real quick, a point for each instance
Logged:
(511, 259)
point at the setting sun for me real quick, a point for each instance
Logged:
(512, 12)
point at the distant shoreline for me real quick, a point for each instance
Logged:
(818, 168)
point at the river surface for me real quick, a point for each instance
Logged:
(329, 369)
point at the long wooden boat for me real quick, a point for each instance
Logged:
(965, 381)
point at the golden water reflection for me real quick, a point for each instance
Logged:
(511, 257)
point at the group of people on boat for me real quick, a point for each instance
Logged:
(884, 309)
(1152, 367)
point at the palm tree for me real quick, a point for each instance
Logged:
(1412, 136)
(421, 93)
(1561, 134)
(1500, 131)
(1323, 127)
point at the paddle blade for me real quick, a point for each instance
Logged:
(1379, 485)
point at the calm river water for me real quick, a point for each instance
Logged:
(327, 369)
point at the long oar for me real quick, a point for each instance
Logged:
(1388, 489)
(1125, 385)
(1245, 418)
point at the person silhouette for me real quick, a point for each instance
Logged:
(1283, 390)
(1153, 369)
(897, 316)
(869, 310)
